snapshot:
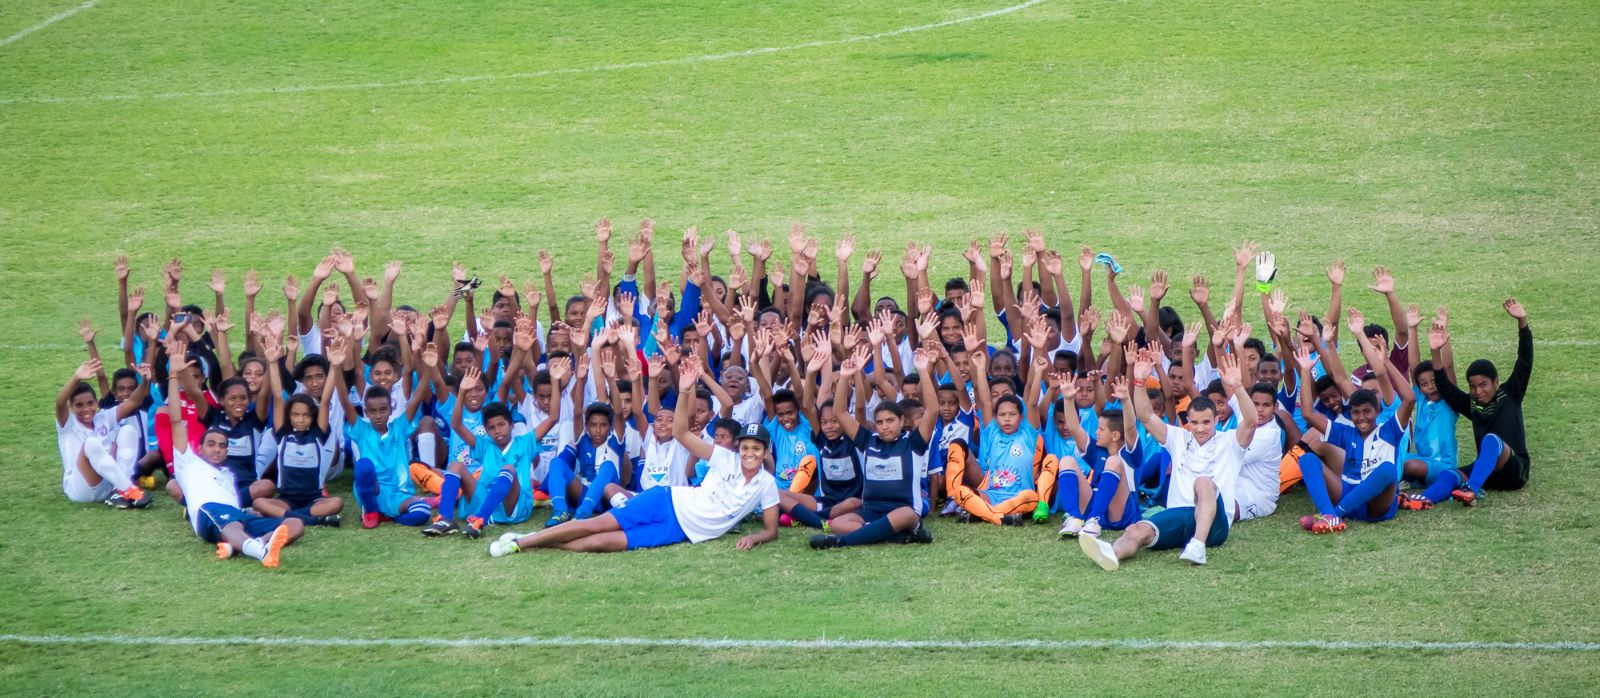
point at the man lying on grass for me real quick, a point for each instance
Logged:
(736, 485)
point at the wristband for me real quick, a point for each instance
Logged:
(1264, 286)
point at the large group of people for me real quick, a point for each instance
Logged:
(641, 412)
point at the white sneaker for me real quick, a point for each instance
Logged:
(1194, 553)
(1072, 527)
(510, 536)
(503, 547)
(1091, 527)
(1099, 551)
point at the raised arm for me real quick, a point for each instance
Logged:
(1308, 403)
(688, 374)
(470, 378)
(1383, 282)
(1145, 362)
(1336, 300)
(1517, 384)
(841, 399)
(424, 391)
(86, 332)
(1233, 383)
(85, 371)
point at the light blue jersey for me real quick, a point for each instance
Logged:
(789, 447)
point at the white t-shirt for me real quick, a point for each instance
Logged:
(202, 483)
(750, 410)
(559, 437)
(666, 464)
(70, 438)
(1257, 487)
(1218, 459)
(723, 499)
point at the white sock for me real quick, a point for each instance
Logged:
(255, 547)
(618, 499)
(105, 464)
(426, 451)
(127, 448)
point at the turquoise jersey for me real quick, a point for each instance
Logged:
(1433, 432)
(390, 454)
(789, 448)
(1062, 446)
(520, 453)
(1007, 460)
(458, 449)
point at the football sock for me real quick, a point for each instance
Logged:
(876, 531)
(1316, 486)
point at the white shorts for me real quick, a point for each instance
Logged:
(78, 490)
(1253, 505)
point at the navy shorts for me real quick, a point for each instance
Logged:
(1174, 527)
(871, 512)
(214, 517)
(649, 520)
(301, 502)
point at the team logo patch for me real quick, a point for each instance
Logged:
(799, 448)
(1016, 450)
(882, 469)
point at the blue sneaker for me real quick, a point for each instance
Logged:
(558, 519)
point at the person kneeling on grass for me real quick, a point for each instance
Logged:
(892, 465)
(1205, 464)
(210, 496)
(735, 485)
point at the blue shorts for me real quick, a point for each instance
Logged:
(214, 517)
(649, 520)
(1435, 466)
(873, 511)
(1174, 527)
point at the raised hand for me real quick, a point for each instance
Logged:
(926, 323)
(1052, 262)
(1245, 252)
(845, 247)
(121, 267)
(638, 249)
(1336, 272)
(291, 288)
(1515, 310)
(546, 262)
(222, 323)
(252, 284)
(1085, 259)
(1438, 336)
(1200, 293)
(470, 378)
(330, 294)
(560, 368)
(1119, 389)
(1228, 370)
(87, 370)
(760, 250)
(1277, 302)
(1143, 364)
(136, 299)
(1413, 315)
(602, 231)
(1136, 299)
(86, 330)
(735, 247)
(1088, 320)
(1303, 358)
(1382, 281)
(370, 287)
(870, 266)
(1355, 320)
(1038, 334)
(219, 282)
(1119, 327)
(688, 374)
(324, 268)
(1158, 286)
(391, 271)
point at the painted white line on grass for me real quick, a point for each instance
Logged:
(14, 38)
(817, 644)
(465, 79)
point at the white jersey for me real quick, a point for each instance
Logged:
(1218, 459)
(71, 435)
(1257, 487)
(723, 499)
(202, 483)
(558, 438)
(665, 464)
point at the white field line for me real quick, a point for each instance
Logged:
(14, 38)
(1468, 342)
(465, 79)
(817, 644)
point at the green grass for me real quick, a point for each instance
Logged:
(1451, 141)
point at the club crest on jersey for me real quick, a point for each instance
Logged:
(799, 448)
(1016, 450)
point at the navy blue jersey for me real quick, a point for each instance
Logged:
(892, 471)
(838, 469)
(303, 460)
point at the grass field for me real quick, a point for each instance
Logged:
(1452, 141)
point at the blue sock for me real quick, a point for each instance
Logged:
(1100, 503)
(606, 474)
(1311, 474)
(304, 514)
(556, 486)
(449, 492)
(806, 517)
(415, 515)
(1488, 455)
(366, 485)
(876, 531)
(1442, 486)
(1067, 492)
(1365, 491)
(498, 490)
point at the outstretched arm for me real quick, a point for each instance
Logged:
(1143, 363)
(689, 372)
